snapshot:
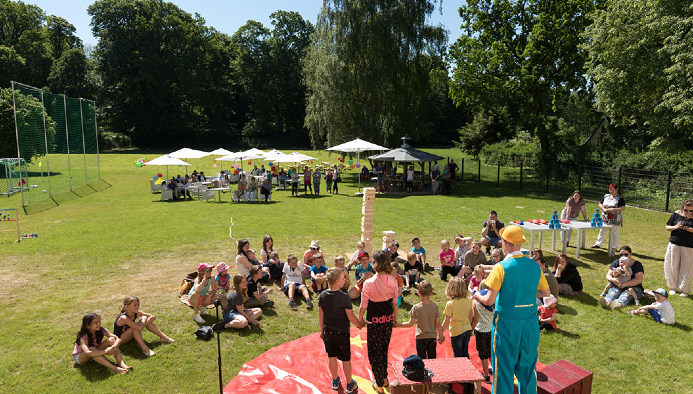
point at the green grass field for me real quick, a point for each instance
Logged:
(96, 247)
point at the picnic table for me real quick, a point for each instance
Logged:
(541, 229)
(219, 190)
(582, 227)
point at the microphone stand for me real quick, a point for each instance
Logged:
(219, 327)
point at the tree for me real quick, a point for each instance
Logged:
(73, 75)
(29, 111)
(152, 60)
(61, 35)
(366, 70)
(640, 57)
(524, 55)
(22, 28)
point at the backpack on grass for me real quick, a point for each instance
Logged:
(187, 283)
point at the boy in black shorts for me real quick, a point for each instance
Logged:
(335, 315)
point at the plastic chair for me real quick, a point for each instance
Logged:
(153, 187)
(251, 195)
(167, 195)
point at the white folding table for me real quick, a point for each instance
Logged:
(582, 227)
(540, 229)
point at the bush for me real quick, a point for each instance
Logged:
(113, 141)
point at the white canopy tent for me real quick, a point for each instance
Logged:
(166, 160)
(358, 145)
(239, 156)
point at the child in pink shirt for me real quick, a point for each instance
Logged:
(447, 260)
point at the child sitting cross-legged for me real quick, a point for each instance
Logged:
(412, 271)
(257, 293)
(335, 315)
(661, 310)
(293, 281)
(426, 316)
(547, 313)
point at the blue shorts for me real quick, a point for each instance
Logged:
(493, 241)
(231, 316)
(655, 315)
(286, 287)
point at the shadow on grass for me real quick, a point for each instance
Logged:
(682, 327)
(586, 299)
(566, 310)
(566, 334)
(95, 372)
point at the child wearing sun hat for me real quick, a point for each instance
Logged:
(661, 310)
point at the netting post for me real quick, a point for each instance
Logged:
(67, 143)
(45, 141)
(84, 146)
(16, 132)
(521, 164)
(96, 137)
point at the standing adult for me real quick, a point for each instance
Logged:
(410, 179)
(514, 284)
(612, 206)
(435, 177)
(573, 206)
(678, 260)
(453, 170)
(379, 173)
(489, 231)
(618, 294)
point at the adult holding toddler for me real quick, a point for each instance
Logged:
(612, 206)
(274, 265)
(472, 258)
(618, 295)
(678, 260)
(567, 275)
(514, 284)
(245, 258)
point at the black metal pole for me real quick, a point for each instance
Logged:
(620, 170)
(462, 177)
(498, 179)
(666, 206)
(479, 179)
(221, 385)
(521, 163)
(580, 177)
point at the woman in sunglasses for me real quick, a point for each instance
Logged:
(619, 295)
(678, 260)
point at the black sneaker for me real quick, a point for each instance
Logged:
(309, 304)
(488, 251)
(292, 305)
(269, 304)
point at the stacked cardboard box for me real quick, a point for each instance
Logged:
(367, 219)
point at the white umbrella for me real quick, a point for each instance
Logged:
(301, 157)
(358, 145)
(166, 160)
(240, 156)
(220, 152)
(254, 151)
(279, 157)
(187, 153)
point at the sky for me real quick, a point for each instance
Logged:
(228, 15)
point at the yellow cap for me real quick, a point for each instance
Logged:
(513, 234)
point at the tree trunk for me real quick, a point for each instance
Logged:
(538, 112)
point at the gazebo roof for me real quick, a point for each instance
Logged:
(406, 154)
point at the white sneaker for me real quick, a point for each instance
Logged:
(199, 319)
(603, 302)
(203, 311)
(672, 292)
(615, 304)
(637, 302)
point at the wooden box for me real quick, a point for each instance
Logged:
(564, 377)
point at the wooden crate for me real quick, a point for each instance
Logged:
(564, 377)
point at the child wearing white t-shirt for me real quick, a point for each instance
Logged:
(293, 280)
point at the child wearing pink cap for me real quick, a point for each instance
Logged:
(200, 294)
(222, 282)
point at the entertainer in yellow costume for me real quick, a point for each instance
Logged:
(514, 284)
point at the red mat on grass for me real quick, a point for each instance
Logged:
(300, 366)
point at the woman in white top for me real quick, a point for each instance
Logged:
(612, 206)
(410, 179)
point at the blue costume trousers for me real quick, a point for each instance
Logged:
(514, 352)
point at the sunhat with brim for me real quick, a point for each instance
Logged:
(201, 267)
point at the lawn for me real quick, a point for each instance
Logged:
(96, 247)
